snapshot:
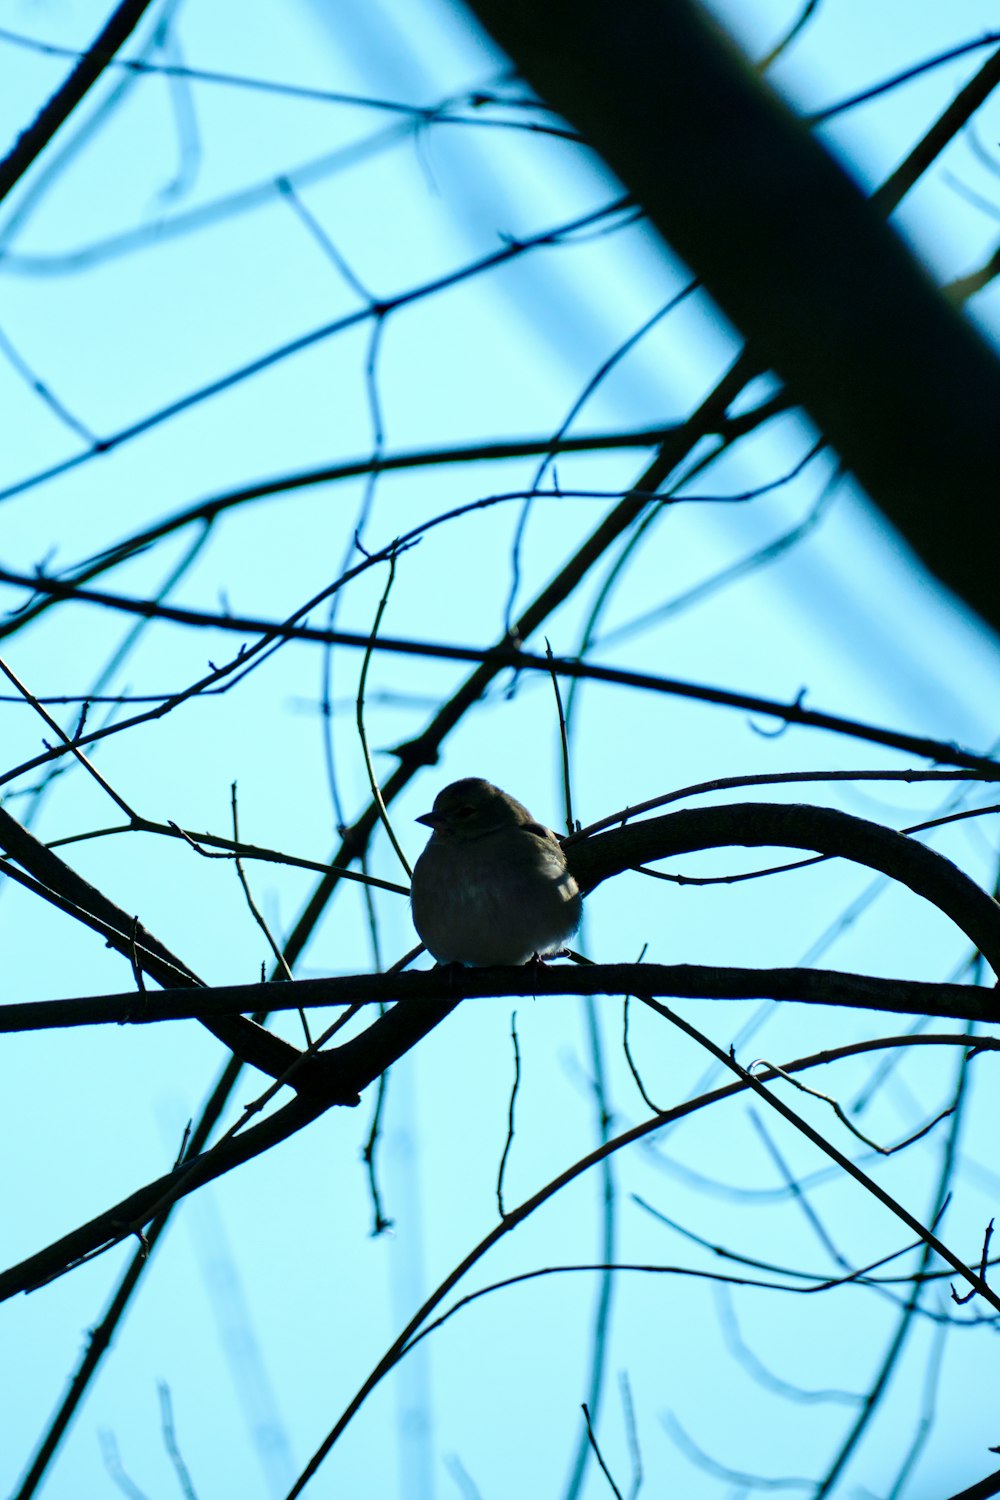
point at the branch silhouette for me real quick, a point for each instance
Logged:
(341, 1074)
(57, 882)
(92, 63)
(884, 362)
(963, 1002)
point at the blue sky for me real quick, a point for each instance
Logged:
(188, 235)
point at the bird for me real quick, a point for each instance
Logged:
(492, 885)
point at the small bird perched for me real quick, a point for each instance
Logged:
(492, 885)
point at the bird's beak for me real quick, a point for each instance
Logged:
(430, 820)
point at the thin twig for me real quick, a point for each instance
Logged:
(591, 1438)
(797, 1192)
(372, 778)
(492, 659)
(185, 1141)
(646, 1099)
(801, 20)
(170, 1441)
(881, 1377)
(925, 1422)
(633, 1069)
(510, 1115)
(824, 1145)
(563, 741)
(140, 978)
(113, 1465)
(984, 1261)
(379, 1221)
(842, 1116)
(257, 914)
(70, 744)
(410, 1335)
(778, 778)
(633, 1434)
(818, 1283)
(609, 1224)
(229, 848)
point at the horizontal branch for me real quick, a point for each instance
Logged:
(207, 511)
(680, 981)
(497, 658)
(592, 860)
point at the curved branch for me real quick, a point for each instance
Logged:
(338, 1076)
(821, 829)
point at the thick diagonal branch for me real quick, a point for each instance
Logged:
(32, 141)
(56, 881)
(904, 388)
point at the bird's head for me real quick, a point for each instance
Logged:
(470, 808)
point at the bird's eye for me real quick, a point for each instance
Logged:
(465, 812)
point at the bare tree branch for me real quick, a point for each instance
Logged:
(32, 142)
(904, 388)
